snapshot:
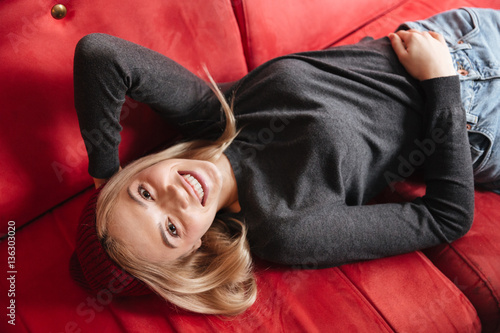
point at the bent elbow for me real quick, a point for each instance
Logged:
(460, 224)
(467, 217)
(90, 44)
(94, 47)
(465, 226)
(453, 219)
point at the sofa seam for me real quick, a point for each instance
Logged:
(242, 28)
(368, 22)
(477, 271)
(50, 210)
(68, 199)
(364, 299)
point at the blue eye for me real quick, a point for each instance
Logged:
(144, 193)
(172, 229)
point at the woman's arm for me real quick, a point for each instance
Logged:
(106, 69)
(448, 170)
(337, 234)
(332, 234)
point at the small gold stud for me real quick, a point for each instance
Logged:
(58, 11)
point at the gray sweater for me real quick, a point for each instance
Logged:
(322, 133)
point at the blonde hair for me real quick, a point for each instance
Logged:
(215, 279)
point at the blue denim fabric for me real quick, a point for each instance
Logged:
(473, 37)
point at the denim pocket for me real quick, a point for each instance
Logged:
(460, 28)
(479, 144)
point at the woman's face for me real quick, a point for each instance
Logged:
(164, 210)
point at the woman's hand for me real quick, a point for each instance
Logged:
(423, 54)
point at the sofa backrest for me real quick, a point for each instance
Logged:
(273, 28)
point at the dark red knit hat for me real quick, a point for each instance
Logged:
(90, 265)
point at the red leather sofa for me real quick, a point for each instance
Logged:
(44, 183)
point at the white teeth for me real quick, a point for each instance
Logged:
(195, 184)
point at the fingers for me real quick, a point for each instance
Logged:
(98, 182)
(424, 54)
(405, 34)
(397, 44)
(437, 36)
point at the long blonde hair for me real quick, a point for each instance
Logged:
(215, 279)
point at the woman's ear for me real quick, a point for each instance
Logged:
(196, 245)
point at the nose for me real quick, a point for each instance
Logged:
(177, 197)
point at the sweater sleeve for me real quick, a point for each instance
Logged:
(106, 69)
(335, 234)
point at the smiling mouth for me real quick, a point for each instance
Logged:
(195, 185)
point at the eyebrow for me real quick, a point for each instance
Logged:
(163, 233)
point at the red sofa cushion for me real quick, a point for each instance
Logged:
(42, 156)
(411, 11)
(404, 294)
(275, 28)
(472, 262)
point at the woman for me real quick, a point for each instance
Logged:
(318, 134)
